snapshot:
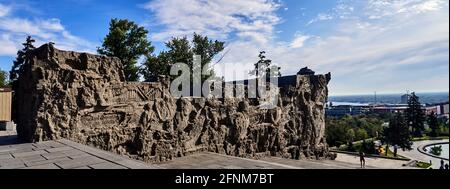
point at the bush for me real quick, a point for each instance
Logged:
(368, 147)
(350, 147)
(443, 131)
(436, 150)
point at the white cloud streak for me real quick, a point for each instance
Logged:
(365, 44)
(14, 29)
(4, 10)
(247, 19)
(366, 48)
(299, 41)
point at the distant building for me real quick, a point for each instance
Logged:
(5, 104)
(442, 110)
(5, 109)
(405, 99)
(401, 108)
(430, 109)
(305, 71)
(342, 110)
(389, 109)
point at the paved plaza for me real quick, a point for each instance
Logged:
(61, 154)
(65, 154)
(208, 160)
(415, 154)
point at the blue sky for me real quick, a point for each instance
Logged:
(373, 45)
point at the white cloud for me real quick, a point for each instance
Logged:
(52, 24)
(369, 44)
(7, 47)
(14, 29)
(320, 17)
(381, 8)
(299, 41)
(249, 19)
(4, 10)
(364, 54)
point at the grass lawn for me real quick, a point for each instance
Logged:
(390, 153)
(429, 138)
(424, 165)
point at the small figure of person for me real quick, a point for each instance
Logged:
(446, 166)
(361, 159)
(442, 164)
(395, 150)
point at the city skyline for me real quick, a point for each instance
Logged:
(368, 46)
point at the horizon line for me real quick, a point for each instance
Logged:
(386, 93)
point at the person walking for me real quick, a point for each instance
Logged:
(395, 150)
(442, 164)
(362, 160)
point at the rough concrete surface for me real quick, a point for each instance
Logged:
(84, 98)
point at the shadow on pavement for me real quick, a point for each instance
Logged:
(8, 138)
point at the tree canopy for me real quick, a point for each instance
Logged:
(181, 50)
(264, 67)
(21, 58)
(433, 123)
(397, 133)
(415, 116)
(3, 78)
(128, 42)
(349, 129)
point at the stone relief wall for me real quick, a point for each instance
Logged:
(84, 98)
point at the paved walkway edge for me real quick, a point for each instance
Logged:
(421, 149)
(259, 161)
(108, 156)
(370, 155)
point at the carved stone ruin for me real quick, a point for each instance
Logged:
(84, 98)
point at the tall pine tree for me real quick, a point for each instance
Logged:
(415, 116)
(397, 133)
(21, 60)
(433, 124)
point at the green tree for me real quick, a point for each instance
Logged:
(181, 50)
(415, 116)
(361, 134)
(264, 67)
(433, 124)
(443, 127)
(350, 135)
(21, 60)
(368, 147)
(128, 42)
(3, 78)
(397, 133)
(207, 49)
(341, 130)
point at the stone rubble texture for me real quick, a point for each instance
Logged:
(84, 98)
